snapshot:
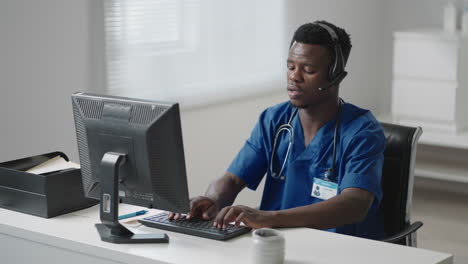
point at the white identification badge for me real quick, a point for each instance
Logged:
(324, 189)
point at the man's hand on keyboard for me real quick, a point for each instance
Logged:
(200, 206)
(250, 217)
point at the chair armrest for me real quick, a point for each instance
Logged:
(404, 233)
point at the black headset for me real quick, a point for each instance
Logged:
(337, 72)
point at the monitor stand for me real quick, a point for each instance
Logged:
(111, 230)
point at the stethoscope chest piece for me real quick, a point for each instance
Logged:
(275, 175)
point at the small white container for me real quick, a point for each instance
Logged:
(268, 246)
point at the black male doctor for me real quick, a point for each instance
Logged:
(322, 157)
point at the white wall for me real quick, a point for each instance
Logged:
(44, 51)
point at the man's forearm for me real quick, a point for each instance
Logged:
(337, 211)
(225, 190)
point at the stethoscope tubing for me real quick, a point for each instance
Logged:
(285, 127)
(289, 128)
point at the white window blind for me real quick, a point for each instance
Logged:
(180, 49)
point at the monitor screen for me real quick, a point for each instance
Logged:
(147, 134)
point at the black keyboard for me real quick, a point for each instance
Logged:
(194, 226)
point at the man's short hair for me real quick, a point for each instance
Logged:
(311, 33)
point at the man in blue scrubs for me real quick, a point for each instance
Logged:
(324, 168)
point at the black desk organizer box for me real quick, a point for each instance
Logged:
(46, 195)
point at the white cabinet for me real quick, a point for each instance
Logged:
(430, 87)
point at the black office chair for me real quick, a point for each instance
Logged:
(397, 183)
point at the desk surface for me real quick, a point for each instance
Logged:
(76, 232)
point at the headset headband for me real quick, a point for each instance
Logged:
(337, 69)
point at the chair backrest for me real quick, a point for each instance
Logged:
(398, 176)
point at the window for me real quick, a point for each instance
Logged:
(188, 49)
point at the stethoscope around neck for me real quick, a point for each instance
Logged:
(330, 172)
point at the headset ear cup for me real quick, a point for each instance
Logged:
(337, 67)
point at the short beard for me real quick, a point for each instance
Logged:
(298, 106)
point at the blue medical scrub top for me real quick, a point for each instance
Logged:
(359, 161)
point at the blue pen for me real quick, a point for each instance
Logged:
(125, 216)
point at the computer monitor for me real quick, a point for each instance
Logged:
(131, 151)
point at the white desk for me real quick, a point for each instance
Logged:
(72, 238)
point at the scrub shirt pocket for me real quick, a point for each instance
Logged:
(299, 182)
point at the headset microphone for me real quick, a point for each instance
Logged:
(337, 80)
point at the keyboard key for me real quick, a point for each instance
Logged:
(194, 226)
